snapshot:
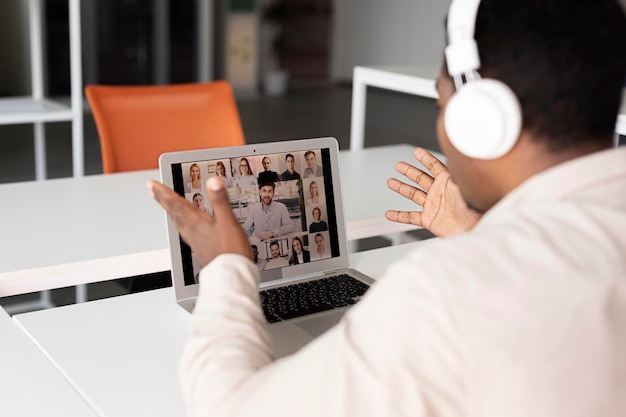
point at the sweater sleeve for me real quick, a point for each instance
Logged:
(229, 339)
(355, 368)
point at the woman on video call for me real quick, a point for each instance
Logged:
(314, 194)
(245, 174)
(195, 184)
(298, 254)
(220, 171)
(198, 202)
(318, 224)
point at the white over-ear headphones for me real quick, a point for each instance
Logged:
(483, 118)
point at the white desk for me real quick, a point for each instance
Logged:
(30, 386)
(54, 233)
(419, 81)
(74, 231)
(122, 353)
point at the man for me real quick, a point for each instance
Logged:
(269, 219)
(520, 311)
(259, 262)
(267, 175)
(290, 173)
(276, 260)
(312, 169)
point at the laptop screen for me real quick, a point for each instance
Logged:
(285, 202)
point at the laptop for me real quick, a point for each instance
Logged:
(287, 198)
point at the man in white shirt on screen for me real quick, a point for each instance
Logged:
(269, 218)
(290, 173)
(520, 308)
(312, 168)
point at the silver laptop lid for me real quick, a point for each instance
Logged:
(301, 181)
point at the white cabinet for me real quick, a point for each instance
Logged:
(37, 109)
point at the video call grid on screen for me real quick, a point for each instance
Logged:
(308, 201)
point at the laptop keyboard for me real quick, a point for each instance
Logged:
(297, 300)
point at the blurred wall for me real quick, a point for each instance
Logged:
(390, 32)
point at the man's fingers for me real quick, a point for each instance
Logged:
(167, 198)
(406, 217)
(218, 198)
(434, 165)
(179, 209)
(414, 194)
(233, 238)
(416, 175)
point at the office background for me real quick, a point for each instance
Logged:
(117, 48)
(363, 32)
(318, 102)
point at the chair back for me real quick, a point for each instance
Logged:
(136, 124)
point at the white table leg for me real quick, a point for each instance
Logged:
(357, 122)
(40, 151)
(36, 58)
(81, 293)
(76, 79)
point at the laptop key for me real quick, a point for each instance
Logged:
(301, 299)
(292, 314)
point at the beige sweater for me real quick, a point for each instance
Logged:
(523, 316)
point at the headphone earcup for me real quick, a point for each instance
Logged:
(483, 119)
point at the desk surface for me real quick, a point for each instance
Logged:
(125, 350)
(29, 384)
(73, 231)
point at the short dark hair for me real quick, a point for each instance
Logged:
(274, 242)
(264, 181)
(565, 60)
(289, 155)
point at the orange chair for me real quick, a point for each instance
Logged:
(136, 124)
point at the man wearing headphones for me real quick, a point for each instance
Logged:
(521, 309)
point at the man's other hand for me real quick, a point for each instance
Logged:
(444, 211)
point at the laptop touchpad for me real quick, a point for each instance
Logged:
(315, 326)
(287, 338)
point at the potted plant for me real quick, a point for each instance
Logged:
(273, 17)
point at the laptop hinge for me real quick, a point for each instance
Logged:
(334, 271)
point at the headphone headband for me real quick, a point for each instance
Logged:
(483, 117)
(462, 52)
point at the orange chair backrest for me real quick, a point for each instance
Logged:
(136, 124)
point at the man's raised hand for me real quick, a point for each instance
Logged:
(444, 211)
(208, 235)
